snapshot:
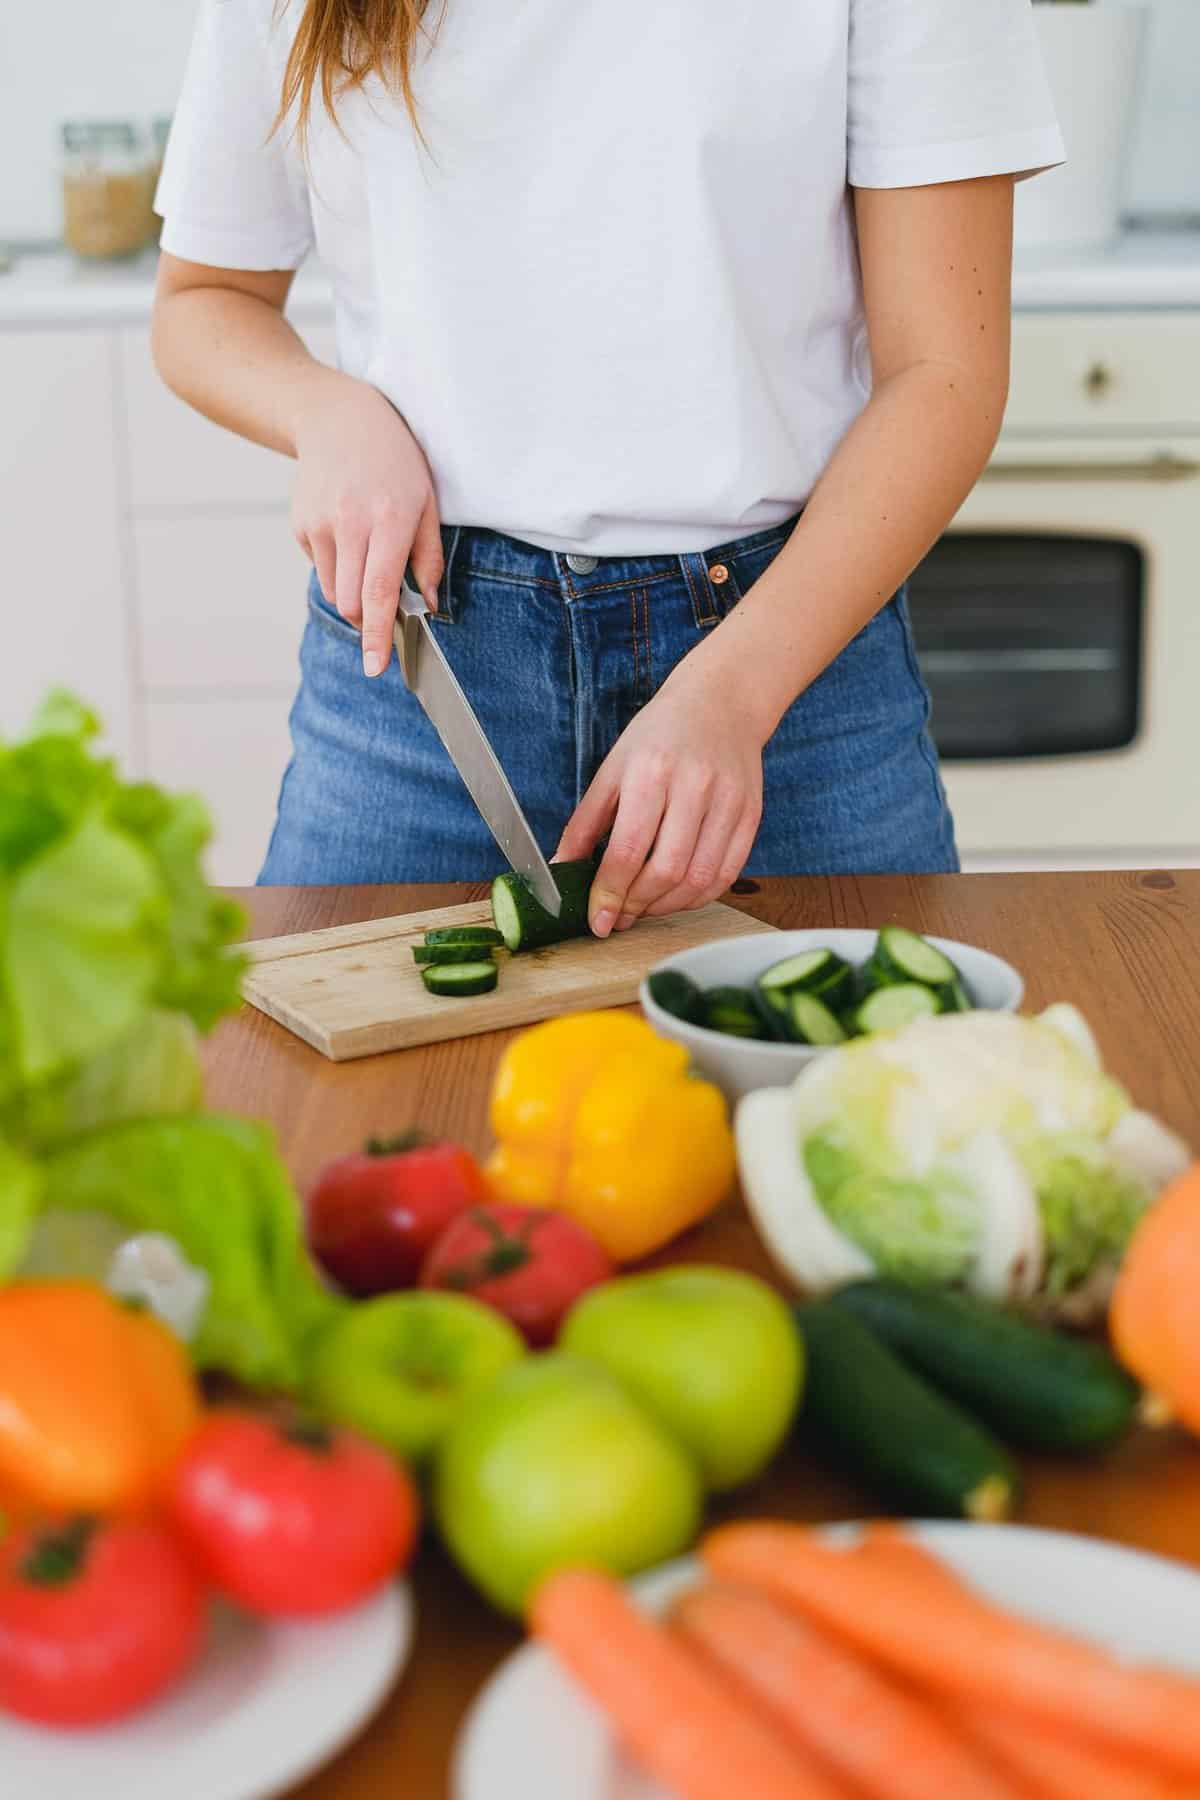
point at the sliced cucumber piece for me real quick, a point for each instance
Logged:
(450, 953)
(954, 997)
(774, 1013)
(732, 1011)
(808, 969)
(888, 1008)
(813, 1022)
(677, 994)
(901, 955)
(459, 980)
(464, 934)
(522, 920)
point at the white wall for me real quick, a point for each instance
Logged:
(115, 58)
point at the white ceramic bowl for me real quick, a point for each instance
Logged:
(738, 1065)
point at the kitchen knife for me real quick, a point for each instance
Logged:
(429, 676)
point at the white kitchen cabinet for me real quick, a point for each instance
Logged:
(220, 602)
(233, 751)
(66, 615)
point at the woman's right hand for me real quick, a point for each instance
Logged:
(364, 507)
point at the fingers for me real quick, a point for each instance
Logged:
(351, 557)
(383, 573)
(723, 846)
(427, 559)
(639, 815)
(591, 818)
(675, 848)
(318, 546)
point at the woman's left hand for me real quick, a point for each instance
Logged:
(682, 792)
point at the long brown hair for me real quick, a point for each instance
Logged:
(340, 44)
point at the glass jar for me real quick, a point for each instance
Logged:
(107, 189)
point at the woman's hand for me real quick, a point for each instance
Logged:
(363, 507)
(682, 791)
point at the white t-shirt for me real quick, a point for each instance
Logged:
(617, 298)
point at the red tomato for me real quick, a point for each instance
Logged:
(529, 1264)
(292, 1520)
(97, 1617)
(372, 1216)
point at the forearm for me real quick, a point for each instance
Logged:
(235, 358)
(895, 482)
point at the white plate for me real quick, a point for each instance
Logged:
(264, 1707)
(533, 1735)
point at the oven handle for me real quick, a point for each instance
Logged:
(1164, 467)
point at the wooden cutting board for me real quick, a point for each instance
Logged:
(354, 990)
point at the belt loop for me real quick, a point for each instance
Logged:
(450, 541)
(704, 603)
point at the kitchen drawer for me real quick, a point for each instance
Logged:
(220, 601)
(179, 459)
(233, 752)
(1104, 372)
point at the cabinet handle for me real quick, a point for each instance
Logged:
(1098, 380)
(1165, 467)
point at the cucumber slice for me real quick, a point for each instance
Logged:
(954, 997)
(1034, 1386)
(813, 1022)
(774, 1013)
(522, 920)
(901, 955)
(732, 1011)
(810, 969)
(451, 953)
(677, 994)
(459, 980)
(463, 934)
(893, 1427)
(888, 1008)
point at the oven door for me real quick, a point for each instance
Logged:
(1059, 628)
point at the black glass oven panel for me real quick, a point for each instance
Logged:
(1031, 645)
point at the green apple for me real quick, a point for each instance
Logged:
(398, 1368)
(712, 1353)
(555, 1464)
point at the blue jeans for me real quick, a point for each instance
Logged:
(556, 661)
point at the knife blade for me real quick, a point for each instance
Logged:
(430, 678)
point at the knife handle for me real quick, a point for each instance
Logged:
(406, 636)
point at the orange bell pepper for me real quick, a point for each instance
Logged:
(598, 1117)
(97, 1398)
(1153, 1318)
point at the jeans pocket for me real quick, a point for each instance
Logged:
(325, 615)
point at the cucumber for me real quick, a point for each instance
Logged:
(813, 1022)
(1033, 1386)
(522, 920)
(451, 953)
(954, 997)
(459, 980)
(774, 1013)
(677, 994)
(901, 955)
(463, 934)
(893, 1428)
(732, 1011)
(810, 969)
(888, 1008)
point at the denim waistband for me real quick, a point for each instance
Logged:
(490, 555)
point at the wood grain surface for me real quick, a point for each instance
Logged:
(1124, 946)
(354, 990)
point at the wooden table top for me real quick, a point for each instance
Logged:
(1125, 947)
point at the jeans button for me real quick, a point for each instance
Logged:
(582, 565)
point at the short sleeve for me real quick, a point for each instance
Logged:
(232, 192)
(946, 90)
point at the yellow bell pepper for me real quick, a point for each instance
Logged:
(596, 1116)
(96, 1401)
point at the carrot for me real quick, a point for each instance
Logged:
(672, 1711)
(889, 1744)
(952, 1640)
(1055, 1766)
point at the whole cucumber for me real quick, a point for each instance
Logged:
(893, 1428)
(1034, 1386)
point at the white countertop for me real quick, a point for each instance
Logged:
(1144, 269)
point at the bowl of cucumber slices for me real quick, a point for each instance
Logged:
(754, 1010)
